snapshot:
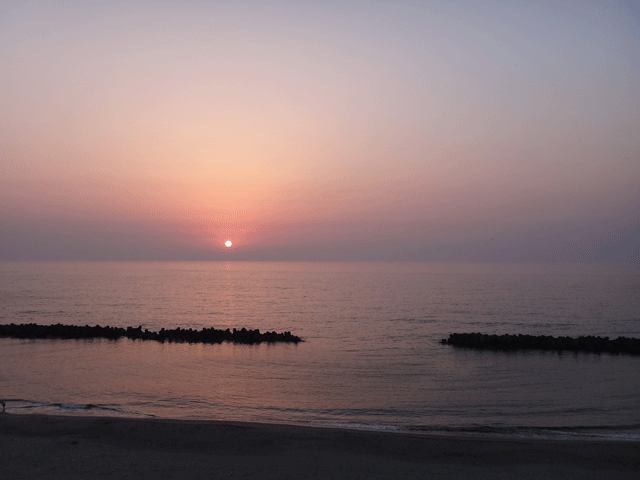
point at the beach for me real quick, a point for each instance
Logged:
(49, 446)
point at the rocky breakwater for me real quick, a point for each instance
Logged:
(544, 342)
(206, 335)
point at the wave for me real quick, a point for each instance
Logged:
(16, 405)
(629, 432)
(623, 432)
(586, 432)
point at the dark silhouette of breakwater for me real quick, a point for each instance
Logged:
(206, 335)
(544, 342)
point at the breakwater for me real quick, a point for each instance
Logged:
(544, 342)
(206, 335)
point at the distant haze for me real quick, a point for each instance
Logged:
(414, 131)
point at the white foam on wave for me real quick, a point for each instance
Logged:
(597, 436)
(358, 425)
(74, 407)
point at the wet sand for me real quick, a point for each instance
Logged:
(42, 446)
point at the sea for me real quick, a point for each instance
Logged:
(371, 356)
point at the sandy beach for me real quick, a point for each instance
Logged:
(41, 446)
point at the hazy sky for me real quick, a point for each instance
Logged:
(427, 131)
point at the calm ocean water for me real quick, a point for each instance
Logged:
(371, 356)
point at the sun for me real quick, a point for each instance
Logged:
(228, 243)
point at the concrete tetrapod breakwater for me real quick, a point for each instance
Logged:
(206, 335)
(544, 342)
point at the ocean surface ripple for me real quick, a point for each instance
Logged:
(372, 355)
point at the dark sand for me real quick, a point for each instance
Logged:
(41, 446)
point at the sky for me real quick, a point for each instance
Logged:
(393, 131)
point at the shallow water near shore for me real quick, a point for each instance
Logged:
(371, 356)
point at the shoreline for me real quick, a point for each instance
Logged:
(59, 446)
(533, 433)
(573, 433)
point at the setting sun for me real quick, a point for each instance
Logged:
(228, 243)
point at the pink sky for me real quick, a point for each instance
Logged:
(361, 131)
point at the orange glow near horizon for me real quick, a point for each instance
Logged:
(170, 130)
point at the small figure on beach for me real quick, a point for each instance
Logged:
(2, 402)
